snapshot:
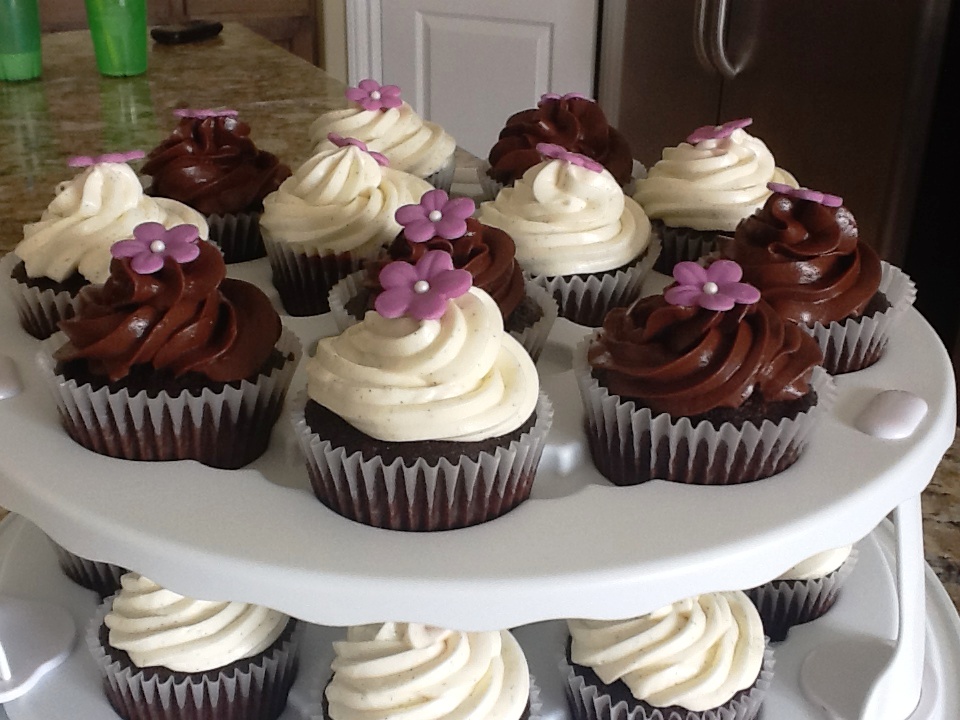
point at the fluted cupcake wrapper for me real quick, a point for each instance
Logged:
(631, 444)
(681, 244)
(533, 338)
(442, 179)
(40, 311)
(858, 343)
(228, 428)
(491, 188)
(785, 603)
(587, 300)
(237, 235)
(258, 692)
(589, 702)
(419, 496)
(103, 578)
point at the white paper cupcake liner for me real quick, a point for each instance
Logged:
(340, 295)
(783, 604)
(859, 343)
(679, 244)
(491, 188)
(442, 179)
(416, 495)
(39, 310)
(590, 702)
(227, 428)
(237, 235)
(587, 300)
(257, 693)
(631, 444)
(103, 578)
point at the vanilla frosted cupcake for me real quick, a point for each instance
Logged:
(704, 187)
(69, 247)
(426, 415)
(577, 234)
(703, 658)
(388, 125)
(164, 656)
(333, 213)
(410, 670)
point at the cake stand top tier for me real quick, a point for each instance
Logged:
(578, 548)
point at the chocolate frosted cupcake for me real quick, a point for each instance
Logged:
(704, 658)
(573, 122)
(803, 251)
(703, 187)
(69, 247)
(425, 415)
(487, 253)
(164, 656)
(169, 359)
(577, 235)
(333, 214)
(704, 384)
(210, 163)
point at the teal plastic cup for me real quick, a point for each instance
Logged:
(119, 32)
(19, 40)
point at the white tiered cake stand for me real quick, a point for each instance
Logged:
(578, 548)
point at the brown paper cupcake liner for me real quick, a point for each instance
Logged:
(785, 603)
(681, 244)
(237, 235)
(590, 702)
(103, 578)
(586, 300)
(227, 429)
(39, 311)
(631, 444)
(858, 343)
(254, 691)
(442, 179)
(304, 281)
(417, 495)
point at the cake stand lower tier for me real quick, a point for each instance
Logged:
(866, 610)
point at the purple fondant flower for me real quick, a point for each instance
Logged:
(341, 141)
(717, 132)
(568, 96)
(717, 287)
(152, 243)
(825, 199)
(204, 113)
(421, 291)
(117, 157)
(371, 95)
(436, 215)
(558, 152)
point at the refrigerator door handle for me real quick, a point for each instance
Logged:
(716, 42)
(700, 23)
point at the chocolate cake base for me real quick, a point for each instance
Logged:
(237, 235)
(679, 244)
(42, 320)
(304, 281)
(103, 578)
(839, 358)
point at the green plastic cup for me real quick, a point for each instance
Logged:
(19, 40)
(119, 31)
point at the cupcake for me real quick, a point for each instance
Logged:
(164, 656)
(103, 578)
(704, 384)
(69, 247)
(803, 593)
(803, 251)
(410, 670)
(487, 253)
(379, 118)
(571, 121)
(335, 212)
(425, 415)
(704, 187)
(704, 658)
(210, 163)
(169, 359)
(577, 235)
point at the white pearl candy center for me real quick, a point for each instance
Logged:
(421, 286)
(435, 216)
(710, 288)
(375, 95)
(158, 246)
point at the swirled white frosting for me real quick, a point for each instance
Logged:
(98, 207)
(696, 653)
(712, 185)
(818, 566)
(339, 200)
(415, 672)
(158, 627)
(566, 219)
(412, 144)
(458, 378)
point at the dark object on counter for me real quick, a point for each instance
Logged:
(188, 32)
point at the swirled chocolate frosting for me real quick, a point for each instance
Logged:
(180, 319)
(687, 360)
(806, 259)
(212, 165)
(577, 124)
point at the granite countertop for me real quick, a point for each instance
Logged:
(74, 111)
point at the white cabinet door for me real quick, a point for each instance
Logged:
(470, 64)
